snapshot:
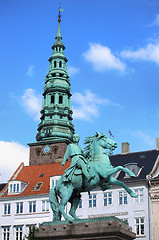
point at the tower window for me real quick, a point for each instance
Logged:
(53, 99)
(55, 150)
(60, 99)
(60, 64)
(55, 64)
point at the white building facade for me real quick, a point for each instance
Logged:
(19, 213)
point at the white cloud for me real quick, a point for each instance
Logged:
(102, 58)
(147, 53)
(12, 155)
(147, 138)
(143, 136)
(32, 103)
(86, 106)
(72, 70)
(30, 71)
(156, 21)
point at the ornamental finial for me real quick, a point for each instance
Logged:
(110, 133)
(60, 10)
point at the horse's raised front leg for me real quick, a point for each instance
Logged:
(126, 170)
(75, 199)
(65, 195)
(104, 186)
(114, 181)
(129, 172)
(105, 172)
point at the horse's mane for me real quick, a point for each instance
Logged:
(88, 150)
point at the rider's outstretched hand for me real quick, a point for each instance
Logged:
(62, 164)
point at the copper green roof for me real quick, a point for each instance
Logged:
(56, 113)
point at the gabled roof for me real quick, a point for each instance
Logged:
(35, 174)
(145, 159)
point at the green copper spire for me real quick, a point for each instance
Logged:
(56, 113)
(58, 37)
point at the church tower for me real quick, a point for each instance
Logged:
(55, 130)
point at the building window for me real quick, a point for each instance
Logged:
(107, 198)
(7, 209)
(14, 188)
(38, 186)
(32, 206)
(19, 207)
(41, 175)
(80, 203)
(53, 99)
(60, 99)
(140, 196)
(18, 232)
(123, 198)
(92, 201)
(60, 64)
(55, 150)
(134, 167)
(5, 233)
(139, 226)
(53, 181)
(45, 206)
(55, 64)
(30, 228)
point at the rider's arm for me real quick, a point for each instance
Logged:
(66, 156)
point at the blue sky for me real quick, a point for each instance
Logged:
(112, 49)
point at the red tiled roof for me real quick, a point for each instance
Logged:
(6, 185)
(31, 175)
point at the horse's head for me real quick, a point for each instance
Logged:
(96, 144)
(105, 141)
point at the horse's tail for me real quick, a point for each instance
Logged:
(54, 203)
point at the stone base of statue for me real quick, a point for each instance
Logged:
(110, 228)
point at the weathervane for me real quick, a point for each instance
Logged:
(111, 135)
(60, 10)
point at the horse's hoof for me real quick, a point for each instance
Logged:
(70, 221)
(132, 194)
(133, 175)
(108, 187)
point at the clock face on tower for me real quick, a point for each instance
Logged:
(46, 150)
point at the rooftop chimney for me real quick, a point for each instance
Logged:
(125, 148)
(157, 143)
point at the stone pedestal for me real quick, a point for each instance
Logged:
(110, 228)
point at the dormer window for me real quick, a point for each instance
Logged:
(16, 187)
(134, 167)
(53, 181)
